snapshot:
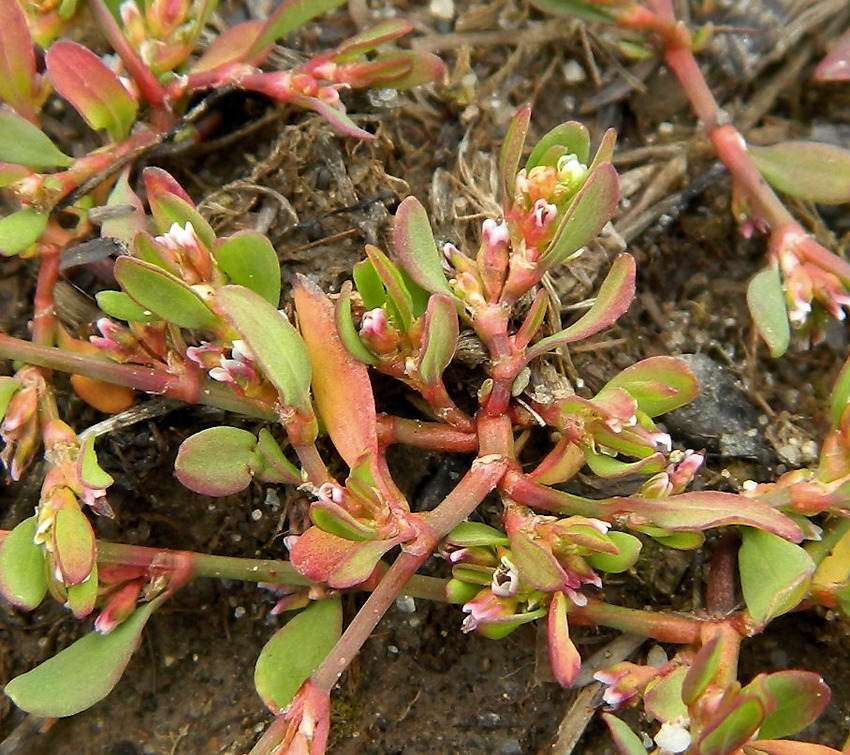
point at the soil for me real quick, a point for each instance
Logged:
(420, 685)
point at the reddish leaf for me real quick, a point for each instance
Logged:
(787, 747)
(563, 655)
(235, 45)
(95, 92)
(341, 386)
(614, 297)
(17, 60)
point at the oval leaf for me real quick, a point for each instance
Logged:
(163, 294)
(274, 342)
(23, 580)
(766, 301)
(295, 651)
(614, 297)
(797, 699)
(83, 673)
(572, 137)
(21, 143)
(587, 214)
(511, 152)
(775, 574)
(349, 413)
(736, 728)
(74, 542)
(628, 743)
(809, 170)
(95, 92)
(216, 461)
(614, 563)
(658, 384)
(415, 248)
(119, 305)
(439, 339)
(21, 230)
(249, 259)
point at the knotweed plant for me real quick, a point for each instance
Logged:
(197, 317)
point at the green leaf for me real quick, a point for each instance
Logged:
(91, 473)
(787, 747)
(663, 698)
(249, 259)
(8, 388)
(439, 338)
(794, 698)
(274, 342)
(347, 332)
(119, 305)
(23, 578)
(840, 395)
(20, 230)
(809, 170)
(129, 218)
(766, 301)
(82, 597)
(93, 90)
(468, 534)
(628, 743)
(588, 212)
(572, 138)
(587, 10)
(334, 519)
(168, 209)
(270, 463)
(22, 143)
(216, 461)
(295, 651)
(614, 297)
(629, 549)
(511, 152)
(775, 574)
(702, 670)
(658, 384)
(289, 16)
(415, 248)
(74, 541)
(164, 294)
(83, 673)
(736, 728)
(399, 302)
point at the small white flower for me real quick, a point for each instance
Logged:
(673, 737)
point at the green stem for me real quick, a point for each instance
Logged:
(146, 379)
(681, 630)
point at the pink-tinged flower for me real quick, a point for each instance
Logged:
(377, 332)
(805, 282)
(187, 253)
(236, 371)
(330, 492)
(487, 608)
(625, 682)
(119, 606)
